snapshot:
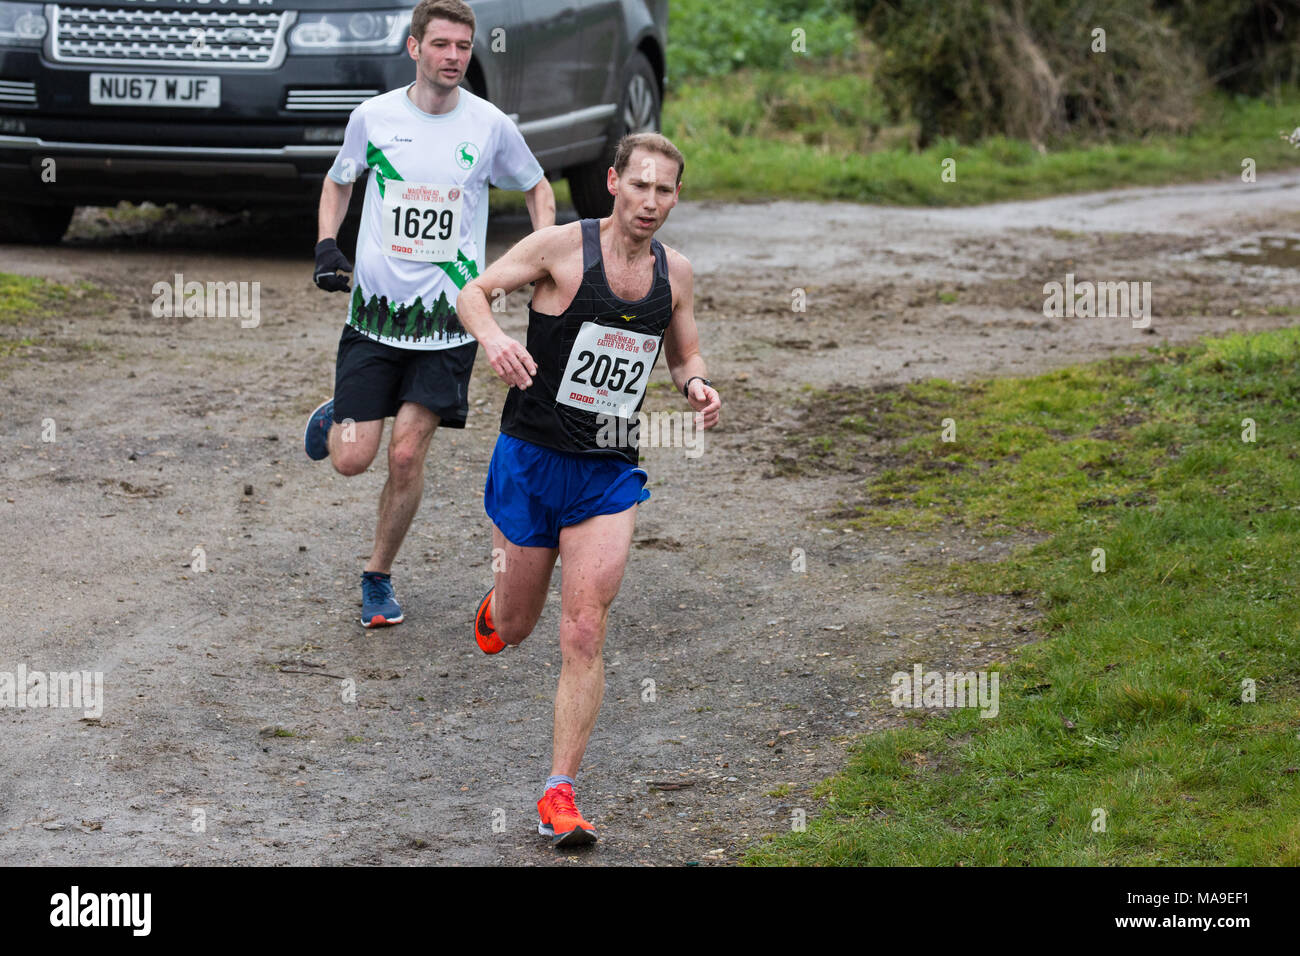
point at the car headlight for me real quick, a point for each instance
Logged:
(22, 24)
(378, 31)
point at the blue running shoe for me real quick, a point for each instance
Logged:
(379, 607)
(316, 437)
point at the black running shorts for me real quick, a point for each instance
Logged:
(372, 380)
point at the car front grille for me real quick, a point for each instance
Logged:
(327, 101)
(20, 92)
(227, 38)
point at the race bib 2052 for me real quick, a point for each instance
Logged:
(608, 370)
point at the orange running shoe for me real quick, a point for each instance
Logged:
(484, 632)
(561, 820)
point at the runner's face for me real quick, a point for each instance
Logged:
(645, 193)
(443, 57)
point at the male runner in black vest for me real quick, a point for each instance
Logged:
(564, 478)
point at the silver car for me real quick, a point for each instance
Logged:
(237, 103)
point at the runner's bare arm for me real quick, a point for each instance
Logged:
(332, 269)
(334, 201)
(682, 343)
(541, 204)
(529, 261)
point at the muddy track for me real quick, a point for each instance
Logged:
(224, 689)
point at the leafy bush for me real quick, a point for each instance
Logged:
(1032, 69)
(712, 37)
(1248, 46)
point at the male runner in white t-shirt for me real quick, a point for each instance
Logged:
(431, 149)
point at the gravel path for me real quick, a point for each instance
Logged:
(733, 682)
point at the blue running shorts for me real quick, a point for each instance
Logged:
(532, 492)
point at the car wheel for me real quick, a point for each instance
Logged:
(37, 225)
(639, 112)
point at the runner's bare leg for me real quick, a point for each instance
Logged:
(594, 556)
(413, 429)
(522, 583)
(353, 447)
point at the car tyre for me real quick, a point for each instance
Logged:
(34, 225)
(639, 112)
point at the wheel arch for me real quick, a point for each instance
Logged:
(649, 47)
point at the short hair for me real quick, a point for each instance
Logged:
(656, 143)
(457, 11)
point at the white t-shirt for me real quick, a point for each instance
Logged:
(424, 222)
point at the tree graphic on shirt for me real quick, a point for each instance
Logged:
(404, 322)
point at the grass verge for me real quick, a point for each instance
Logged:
(822, 133)
(26, 303)
(25, 300)
(1165, 701)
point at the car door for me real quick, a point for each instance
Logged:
(551, 40)
(500, 66)
(602, 49)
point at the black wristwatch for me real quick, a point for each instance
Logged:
(686, 389)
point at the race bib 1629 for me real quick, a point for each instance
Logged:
(421, 221)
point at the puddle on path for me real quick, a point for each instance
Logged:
(1280, 252)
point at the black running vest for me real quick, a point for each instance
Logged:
(593, 362)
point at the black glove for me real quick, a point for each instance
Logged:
(329, 262)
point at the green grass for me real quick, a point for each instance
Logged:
(715, 37)
(508, 201)
(1133, 705)
(818, 130)
(25, 300)
(822, 133)
(27, 303)
(10, 347)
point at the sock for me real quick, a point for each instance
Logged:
(375, 574)
(555, 780)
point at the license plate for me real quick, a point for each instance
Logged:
(149, 89)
